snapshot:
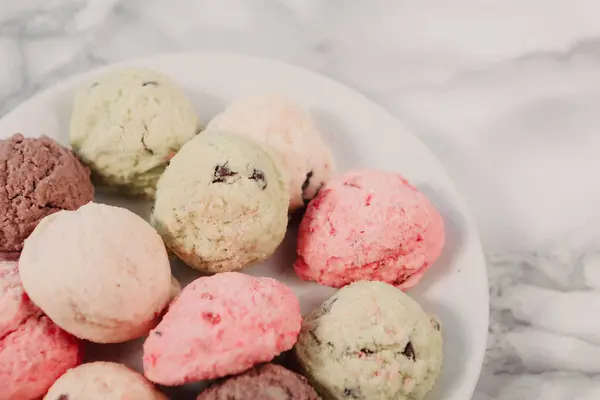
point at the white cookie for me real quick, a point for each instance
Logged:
(102, 381)
(101, 273)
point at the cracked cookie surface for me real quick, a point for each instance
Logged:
(222, 203)
(38, 177)
(222, 325)
(370, 341)
(128, 124)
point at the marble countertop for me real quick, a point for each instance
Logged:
(505, 92)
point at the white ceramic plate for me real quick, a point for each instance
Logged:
(361, 134)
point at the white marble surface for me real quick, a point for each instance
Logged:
(506, 92)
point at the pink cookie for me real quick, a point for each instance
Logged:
(34, 352)
(222, 325)
(368, 225)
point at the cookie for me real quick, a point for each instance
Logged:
(221, 325)
(222, 203)
(266, 382)
(370, 341)
(287, 130)
(34, 352)
(38, 177)
(127, 124)
(368, 225)
(102, 381)
(101, 273)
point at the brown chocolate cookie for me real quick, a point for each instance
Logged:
(267, 382)
(38, 177)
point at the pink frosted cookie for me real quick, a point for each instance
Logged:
(34, 352)
(221, 325)
(368, 225)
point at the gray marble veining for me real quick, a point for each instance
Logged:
(506, 93)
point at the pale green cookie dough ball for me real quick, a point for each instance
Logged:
(370, 341)
(127, 124)
(222, 203)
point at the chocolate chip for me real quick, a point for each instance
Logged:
(63, 397)
(329, 344)
(307, 181)
(94, 85)
(314, 336)
(305, 184)
(352, 393)
(259, 177)
(367, 351)
(327, 306)
(307, 200)
(153, 83)
(409, 352)
(222, 173)
(211, 318)
(158, 333)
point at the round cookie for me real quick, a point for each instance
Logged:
(34, 352)
(101, 272)
(38, 177)
(222, 203)
(103, 381)
(370, 341)
(127, 124)
(368, 225)
(266, 382)
(221, 325)
(287, 129)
